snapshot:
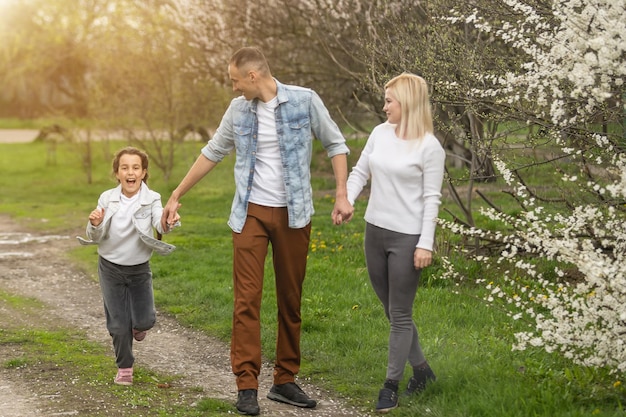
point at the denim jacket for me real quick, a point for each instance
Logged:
(147, 217)
(300, 116)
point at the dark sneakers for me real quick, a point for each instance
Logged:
(387, 400)
(291, 393)
(247, 403)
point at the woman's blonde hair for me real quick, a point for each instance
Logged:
(411, 91)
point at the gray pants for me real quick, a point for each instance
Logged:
(389, 258)
(128, 304)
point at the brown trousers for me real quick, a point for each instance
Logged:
(290, 248)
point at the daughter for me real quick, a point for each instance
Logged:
(122, 227)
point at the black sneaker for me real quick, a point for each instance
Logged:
(387, 400)
(417, 383)
(291, 393)
(247, 403)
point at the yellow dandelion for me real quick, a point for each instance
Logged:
(616, 384)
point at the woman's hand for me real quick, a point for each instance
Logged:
(422, 258)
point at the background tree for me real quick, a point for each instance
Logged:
(287, 32)
(49, 50)
(144, 92)
(98, 68)
(46, 55)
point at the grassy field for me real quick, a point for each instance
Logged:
(51, 357)
(344, 340)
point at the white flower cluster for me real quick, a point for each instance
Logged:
(575, 64)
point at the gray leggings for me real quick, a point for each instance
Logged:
(128, 304)
(389, 258)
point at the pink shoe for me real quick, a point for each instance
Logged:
(139, 335)
(124, 376)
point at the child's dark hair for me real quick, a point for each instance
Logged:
(129, 150)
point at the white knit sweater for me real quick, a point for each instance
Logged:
(406, 179)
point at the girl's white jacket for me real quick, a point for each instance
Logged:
(146, 218)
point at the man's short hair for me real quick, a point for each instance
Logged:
(250, 58)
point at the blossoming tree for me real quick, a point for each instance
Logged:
(571, 84)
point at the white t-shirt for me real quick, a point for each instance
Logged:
(124, 246)
(268, 186)
(406, 180)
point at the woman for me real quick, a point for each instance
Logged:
(405, 162)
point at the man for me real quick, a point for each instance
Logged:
(271, 128)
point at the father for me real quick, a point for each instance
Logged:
(270, 127)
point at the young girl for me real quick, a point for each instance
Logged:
(405, 163)
(122, 227)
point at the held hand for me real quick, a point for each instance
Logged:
(342, 212)
(422, 258)
(96, 217)
(170, 214)
(174, 220)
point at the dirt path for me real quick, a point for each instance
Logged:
(36, 266)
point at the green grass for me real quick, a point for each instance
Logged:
(58, 358)
(344, 338)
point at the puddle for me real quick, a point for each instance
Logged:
(9, 239)
(19, 238)
(5, 255)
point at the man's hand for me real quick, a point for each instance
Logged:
(198, 170)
